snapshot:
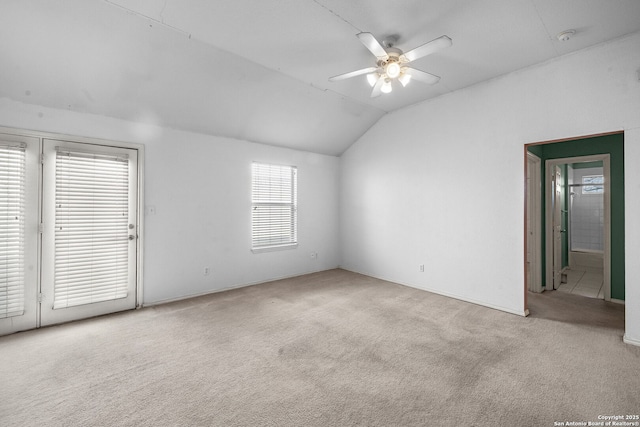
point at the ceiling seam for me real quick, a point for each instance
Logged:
(164, 6)
(546, 30)
(335, 14)
(150, 18)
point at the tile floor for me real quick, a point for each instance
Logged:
(587, 282)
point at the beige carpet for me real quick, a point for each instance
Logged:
(327, 349)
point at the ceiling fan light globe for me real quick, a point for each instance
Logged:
(372, 79)
(404, 79)
(386, 87)
(392, 70)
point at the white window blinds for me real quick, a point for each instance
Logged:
(91, 228)
(274, 206)
(12, 213)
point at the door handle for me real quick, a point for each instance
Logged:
(131, 237)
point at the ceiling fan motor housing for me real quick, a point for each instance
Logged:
(394, 55)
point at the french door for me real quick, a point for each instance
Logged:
(78, 251)
(19, 239)
(89, 231)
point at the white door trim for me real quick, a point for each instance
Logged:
(555, 174)
(606, 162)
(534, 221)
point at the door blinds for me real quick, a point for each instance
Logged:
(91, 228)
(12, 213)
(274, 206)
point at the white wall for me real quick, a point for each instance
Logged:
(201, 189)
(442, 183)
(407, 186)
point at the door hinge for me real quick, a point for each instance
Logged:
(42, 158)
(41, 228)
(40, 297)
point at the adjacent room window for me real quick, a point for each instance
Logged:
(274, 205)
(592, 184)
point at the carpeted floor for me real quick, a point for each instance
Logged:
(328, 349)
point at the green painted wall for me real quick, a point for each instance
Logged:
(607, 144)
(536, 149)
(587, 165)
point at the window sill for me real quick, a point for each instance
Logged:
(274, 248)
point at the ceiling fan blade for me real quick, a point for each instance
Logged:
(427, 48)
(373, 45)
(377, 89)
(422, 76)
(353, 74)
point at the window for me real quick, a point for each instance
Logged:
(592, 184)
(274, 205)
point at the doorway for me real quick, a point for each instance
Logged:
(571, 152)
(70, 227)
(578, 211)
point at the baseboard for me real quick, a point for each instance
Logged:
(630, 341)
(524, 313)
(617, 301)
(228, 288)
(200, 294)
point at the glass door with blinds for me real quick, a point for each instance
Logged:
(89, 230)
(19, 216)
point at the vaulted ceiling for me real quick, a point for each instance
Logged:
(258, 69)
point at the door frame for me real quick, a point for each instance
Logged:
(41, 135)
(553, 176)
(49, 315)
(533, 224)
(606, 268)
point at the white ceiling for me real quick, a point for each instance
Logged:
(258, 69)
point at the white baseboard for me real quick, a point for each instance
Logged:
(617, 301)
(631, 341)
(447, 294)
(227, 288)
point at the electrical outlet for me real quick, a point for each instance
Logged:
(421, 268)
(207, 271)
(314, 255)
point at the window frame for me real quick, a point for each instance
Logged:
(598, 186)
(286, 199)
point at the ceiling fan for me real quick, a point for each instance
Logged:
(391, 63)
